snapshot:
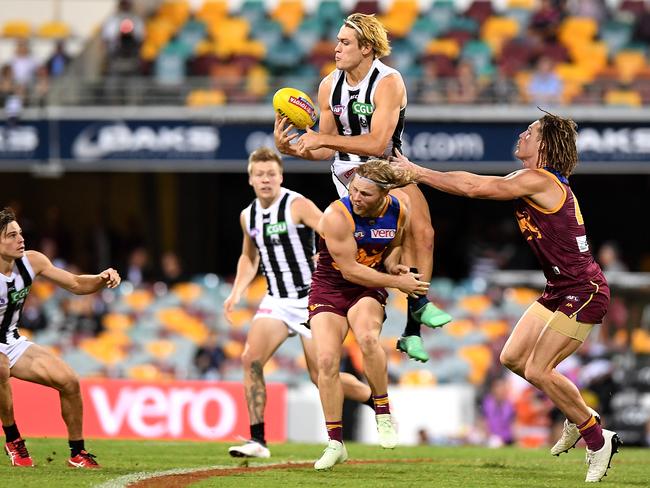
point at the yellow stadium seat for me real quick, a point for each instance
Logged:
(54, 30)
(641, 341)
(257, 81)
(233, 349)
(400, 16)
(623, 98)
(573, 28)
(256, 290)
(495, 328)
(17, 28)
(241, 317)
(117, 321)
(187, 292)
(628, 64)
(149, 51)
(160, 349)
(289, 13)
(522, 296)
(521, 4)
(475, 304)
(145, 372)
(158, 32)
(419, 377)
(139, 300)
(496, 30)
(459, 328)
(480, 358)
(176, 11)
(206, 98)
(43, 289)
(448, 47)
(212, 10)
(574, 73)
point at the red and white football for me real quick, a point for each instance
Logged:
(296, 106)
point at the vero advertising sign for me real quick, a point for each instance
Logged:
(125, 409)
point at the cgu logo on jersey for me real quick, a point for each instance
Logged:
(19, 295)
(382, 233)
(362, 108)
(275, 229)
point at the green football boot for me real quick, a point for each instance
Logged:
(431, 316)
(413, 347)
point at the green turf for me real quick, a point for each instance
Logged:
(434, 466)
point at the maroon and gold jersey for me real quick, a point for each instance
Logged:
(558, 237)
(372, 234)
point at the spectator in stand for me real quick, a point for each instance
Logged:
(432, 88)
(139, 268)
(547, 19)
(499, 413)
(123, 27)
(210, 358)
(595, 9)
(609, 257)
(58, 60)
(6, 83)
(464, 88)
(501, 88)
(23, 65)
(544, 87)
(40, 87)
(172, 269)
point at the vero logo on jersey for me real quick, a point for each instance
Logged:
(382, 233)
(275, 229)
(362, 108)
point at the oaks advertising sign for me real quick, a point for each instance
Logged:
(124, 409)
(176, 145)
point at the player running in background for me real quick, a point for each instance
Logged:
(278, 234)
(27, 361)
(362, 112)
(576, 295)
(359, 255)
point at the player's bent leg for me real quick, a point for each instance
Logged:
(353, 389)
(38, 365)
(264, 337)
(518, 347)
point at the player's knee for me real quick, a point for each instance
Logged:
(511, 362)
(328, 366)
(68, 384)
(368, 342)
(249, 359)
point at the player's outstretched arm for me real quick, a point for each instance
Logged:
(247, 265)
(522, 183)
(77, 284)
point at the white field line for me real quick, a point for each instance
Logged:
(127, 479)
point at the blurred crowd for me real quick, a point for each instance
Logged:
(539, 52)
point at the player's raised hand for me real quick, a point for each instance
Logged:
(110, 277)
(282, 133)
(402, 162)
(309, 141)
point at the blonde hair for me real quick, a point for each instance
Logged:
(263, 154)
(384, 175)
(369, 32)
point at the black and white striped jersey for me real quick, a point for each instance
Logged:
(353, 107)
(286, 248)
(13, 292)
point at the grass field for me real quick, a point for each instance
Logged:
(368, 466)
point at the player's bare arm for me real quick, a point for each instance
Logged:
(304, 211)
(390, 97)
(77, 284)
(341, 244)
(529, 183)
(247, 265)
(284, 130)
